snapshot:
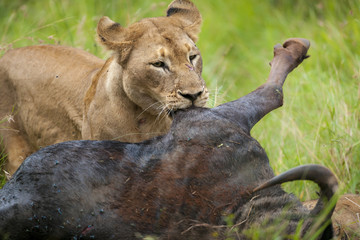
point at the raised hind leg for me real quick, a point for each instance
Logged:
(248, 110)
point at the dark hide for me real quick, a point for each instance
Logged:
(173, 186)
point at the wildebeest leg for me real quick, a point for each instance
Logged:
(249, 109)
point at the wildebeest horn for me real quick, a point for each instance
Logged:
(320, 175)
(316, 173)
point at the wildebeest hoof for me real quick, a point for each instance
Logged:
(304, 42)
(299, 46)
(291, 53)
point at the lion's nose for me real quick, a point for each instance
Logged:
(191, 96)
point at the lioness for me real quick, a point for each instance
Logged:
(51, 94)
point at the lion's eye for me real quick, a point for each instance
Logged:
(159, 64)
(192, 57)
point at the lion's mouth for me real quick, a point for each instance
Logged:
(173, 112)
(185, 102)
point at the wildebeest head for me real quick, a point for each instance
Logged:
(177, 186)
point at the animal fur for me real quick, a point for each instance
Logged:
(176, 186)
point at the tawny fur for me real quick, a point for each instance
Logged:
(51, 94)
(346, 217)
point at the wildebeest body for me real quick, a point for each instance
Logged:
(103, 183)
(204, 168)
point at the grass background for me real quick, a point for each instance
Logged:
(319, 122)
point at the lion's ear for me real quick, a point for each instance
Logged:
(114, 37)
(189, 16)
(110, 33)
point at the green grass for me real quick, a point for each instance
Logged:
(319, 122)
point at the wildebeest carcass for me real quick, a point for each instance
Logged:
(177, 186)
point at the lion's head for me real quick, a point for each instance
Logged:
(158, 59)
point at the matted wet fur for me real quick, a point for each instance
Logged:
(51, 94)
(173, 186)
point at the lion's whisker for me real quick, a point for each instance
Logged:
(151, 105)
(161, 114)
